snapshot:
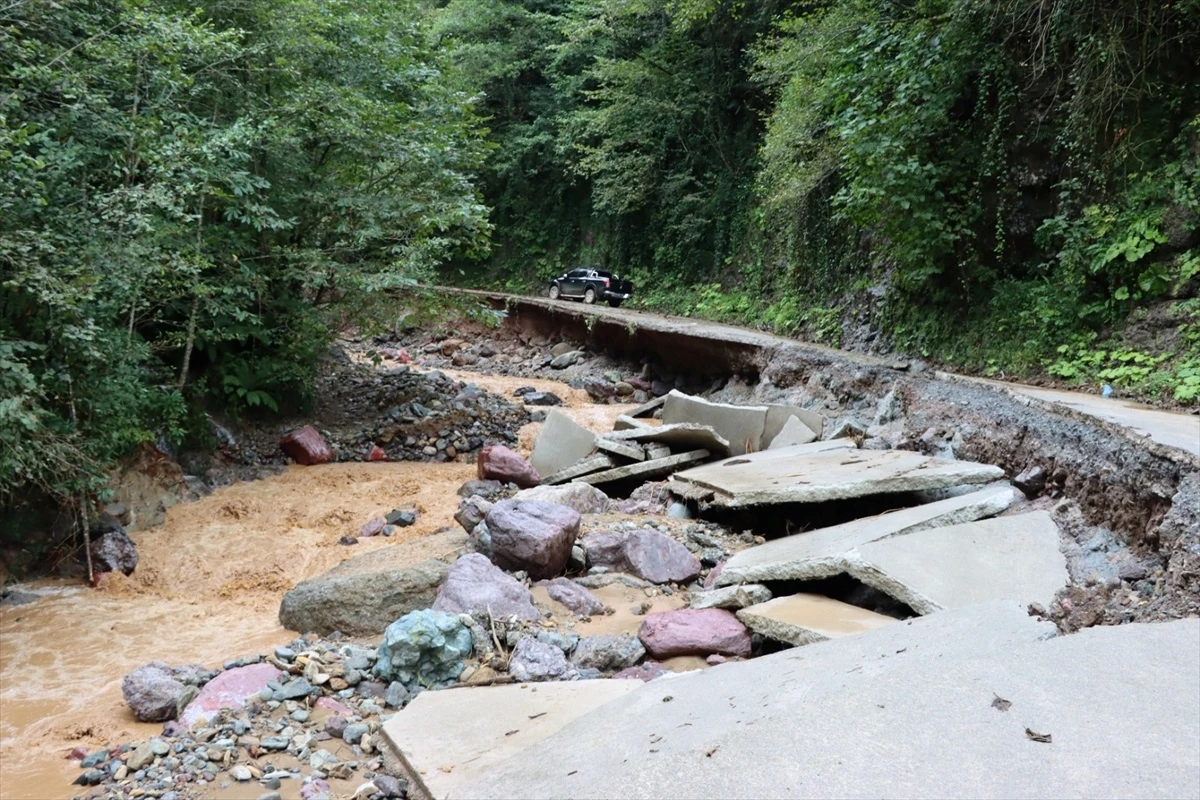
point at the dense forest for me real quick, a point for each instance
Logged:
(193, 196)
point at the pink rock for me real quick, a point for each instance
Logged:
(497, 462)
(329, 704)
(377, 454)
(231, 689)
(658, 558)
(305, 446)
(646, 671)
(711, 579)
(699, 631)
(533, 536)
(715, 659)
(374, 527)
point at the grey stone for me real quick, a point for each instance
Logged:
(562, 348)
(532, 660)
(848, 429)
(607, 653)
(240, 773)
(821, 553)
(1008, 558)
(1032, 481)
(285, 653)
(646, 470)
(389, 786)
(566, 359)
(480, 540)
(890, 408)
(294, 690)
(583, 498)
(679, 511)
(805, 474)
(564, 642)
(364, 594)
(153, 692)
(352, 734)
(922, 693)
(424, 648)
(561, 444)
(397, 692)
(741, 426)
(731, 597)
(794, 432)
(471, 512)
(542, 399)
(475, 585)
(575, 597)
(533, 536)
(648, 408)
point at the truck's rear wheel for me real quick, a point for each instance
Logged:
(615, 302)
(554, 291)
(589, 296)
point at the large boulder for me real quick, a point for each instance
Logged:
(423, 649)
(476, 585)
(575, 597)
(233, 688)
(306, 446)
(157, 692)
(583, 497)
(607, 653)
(114, 552)
(649, 554)
(533, 536)
(533, 660)
(365, 594)
(694, 632)
(497, 462)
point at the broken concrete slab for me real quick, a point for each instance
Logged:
(820, 553)
(802, 619)
(561, 444)
(654, 450)
(777, 417)
(1008, 558)
(646, 409)
(624, 422)
(731, 597)
(681, 436)
(591, 464)
(921, 693)
(794, 432)
(646, 470)
(446, 743)
(633, 452)
(794, 475)
(742, 426)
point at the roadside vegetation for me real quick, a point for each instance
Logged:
(193, 196)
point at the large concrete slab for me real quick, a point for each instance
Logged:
(777, 417)
(1007, 558)
(648, 408)
(742, 426)
(561, 444)
(793, 475)
(801, 619)
(903, 711)
(451, 737)
(792, 433)
(646, 470)
(681, 436)
(821, 553)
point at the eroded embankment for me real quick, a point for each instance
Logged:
(1128, 507)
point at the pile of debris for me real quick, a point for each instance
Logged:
(662, 437)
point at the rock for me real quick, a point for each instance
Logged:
(624, 388)
(575, 597)
(362, 595)
(335, 725)
(389, 786)
(294, 689)
(679, 511)
(353, 734)
(240, 773)
(598, 389)
(580, 496)
(542, 399)
(401, 517)
(646, 671)
(233, 688)
(488, 490)
(562, 348)
(475, 585)
(141, 757)
(714, 575)
(464, 358)
(607, 653)
(533, 536)
(521, 391)
(666, 634)
(848, 429)
(890, 408)
(472, 510)
(306, 446)
(532, 660)
(377, 453)
(1032, 481)
(606, 549)
(372, 527)
(451, 346)
(567, 359)
(348, 540)
(114, 552)
(497, 462)
(658, 558)
(153, 692)
(424, 648)
(397, 694)
(480, 540)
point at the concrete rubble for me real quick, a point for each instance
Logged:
(801, 619)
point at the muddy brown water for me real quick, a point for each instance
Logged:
(206, 590)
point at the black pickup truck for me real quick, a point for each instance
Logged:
(590, 285)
